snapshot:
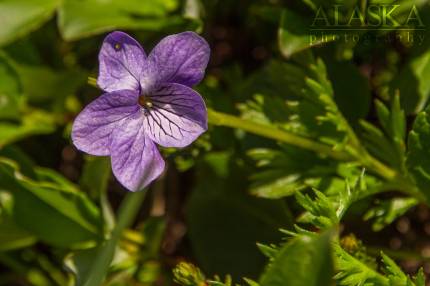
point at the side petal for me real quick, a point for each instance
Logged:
(121, 60)
(177, 117)
(136, 161)
(92, 128)
(180, 58)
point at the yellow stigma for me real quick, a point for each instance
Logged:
(117, 46)
(144, 101)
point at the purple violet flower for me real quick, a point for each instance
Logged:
(148, 101)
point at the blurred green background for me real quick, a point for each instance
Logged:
(230, 190)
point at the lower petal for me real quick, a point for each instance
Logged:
(136, 161)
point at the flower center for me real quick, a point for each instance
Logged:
(145, 101)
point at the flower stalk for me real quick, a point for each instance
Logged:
(127, 212)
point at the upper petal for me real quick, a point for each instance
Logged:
(177, 117)
(92, 128)
(136, 161)
(121, 60)
(180, 58)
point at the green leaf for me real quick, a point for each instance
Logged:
(321, 211)
(36, 122)
(251, 282)
(353, 272)
(26, 165)
(55, 86)
(395, 274)
(305, 260)
(387, 143)
(95, 175)
(84, 18)
(229, 247)
(283, 172)
(14, 237)
(19, 17)
(55, 215)
(48, 175)
(388, 211)
(420, 279)
(294, 34)
(418, 155)
(413, 83)
(94, 181)
(79, 263)
(10, 91)
(351, 89)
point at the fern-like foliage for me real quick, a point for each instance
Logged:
(326, 210)
(353, 272)
(387, 142)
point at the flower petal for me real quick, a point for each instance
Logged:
(92, 128)
(180, 58)
(177, 117)
(136, 161)
(121, 60)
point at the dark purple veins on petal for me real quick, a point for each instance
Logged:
(177, 116)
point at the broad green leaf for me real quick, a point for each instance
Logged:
(55, 215)
(79, 263)
(94, 180)
(224, 229)
(418, 155)
(19, 17)
(225, 222)
(95, 175)
(10, 91)
(55, 86)
(351, 89)
(26, 165)
(84, 18)
(33, 123)
(50, 176)
(294, 34)
(12, 236)
(305, 260)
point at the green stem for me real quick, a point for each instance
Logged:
(378, 167)
(126, 215)
(222, 119)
